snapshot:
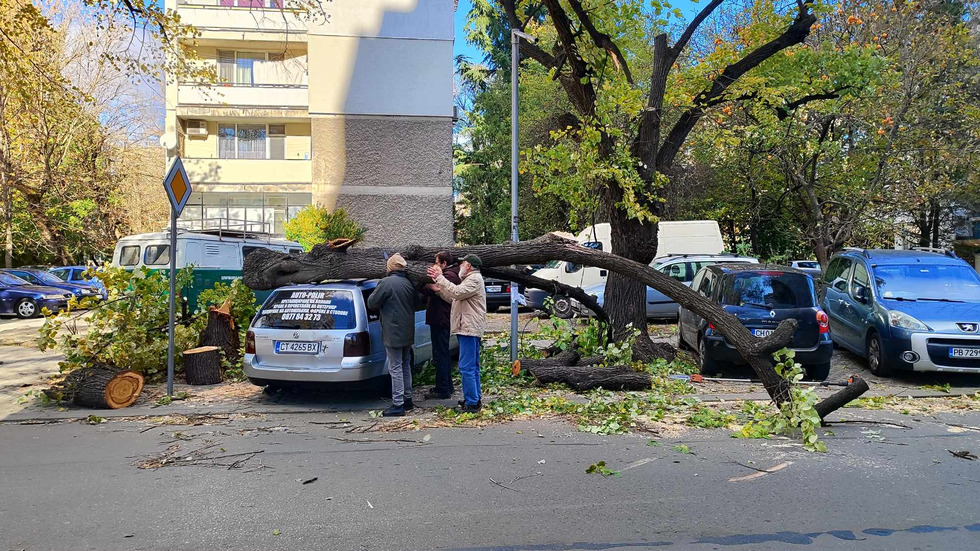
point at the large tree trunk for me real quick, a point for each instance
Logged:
(103, 388)
(266, 269)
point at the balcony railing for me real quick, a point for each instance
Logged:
(249, 171)
(259, 95)
(263, 16)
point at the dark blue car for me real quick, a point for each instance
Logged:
(47, 279)
(760, 298)
(25, 300)
(905, 310)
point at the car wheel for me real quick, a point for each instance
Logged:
(493, 309)
(875, 352)
(818, 372)
(708, 366)
(27, 308)
(562, 307)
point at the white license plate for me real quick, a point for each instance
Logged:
(494, 288)
(964, 352)
(762, 332)
(297, 347)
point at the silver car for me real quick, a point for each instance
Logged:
(323, 333)
(680, 267)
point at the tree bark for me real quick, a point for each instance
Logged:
(553, 287)
(220, 331)
(583, 378)
(202, 365)
(857, 387)
(104, 388)
(267, 269)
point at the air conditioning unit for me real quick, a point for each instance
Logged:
(197, 128)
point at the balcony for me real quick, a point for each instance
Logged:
(248, 171)
(215, 18)
(273, 96)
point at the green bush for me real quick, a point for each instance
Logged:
(315, 224)
(129, 329)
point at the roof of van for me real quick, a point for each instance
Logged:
(165, 236)
(899, 256)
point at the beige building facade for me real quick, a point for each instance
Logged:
(352, 108)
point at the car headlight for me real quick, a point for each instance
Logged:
(53, 297)
(905, 321)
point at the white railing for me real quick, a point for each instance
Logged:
(265, 95)
(215, 15)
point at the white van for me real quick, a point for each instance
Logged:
(674, 238)
(215, 255)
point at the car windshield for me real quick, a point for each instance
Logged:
(928, 282)
(61, 274)
(553, 264)
(46, 277)
(11, 279)
(308, 309)
(769, 290)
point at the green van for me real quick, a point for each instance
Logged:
(216, 255)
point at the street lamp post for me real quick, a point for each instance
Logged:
(515, 61)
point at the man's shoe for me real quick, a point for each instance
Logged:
(469, 409)
(408, 405)
(479, 403)
(435, 395)
(394, 411)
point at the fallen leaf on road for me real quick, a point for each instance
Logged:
(542, 462)
(427, 437)
(369, 504)
(965, 454)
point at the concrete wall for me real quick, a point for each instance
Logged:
(394, 174)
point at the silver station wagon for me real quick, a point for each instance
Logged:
(323, 333)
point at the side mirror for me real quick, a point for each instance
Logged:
(861, 294)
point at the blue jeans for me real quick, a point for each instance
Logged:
(469, 368)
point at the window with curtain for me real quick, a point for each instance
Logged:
(277, 141)
(245, 65)
(226, 66)
(251, 141)
(226, 141)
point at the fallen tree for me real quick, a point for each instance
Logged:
(266, 269)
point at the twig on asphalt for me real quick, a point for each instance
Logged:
(957, 425)
(505, 486)
(150, 428)
(368, 440)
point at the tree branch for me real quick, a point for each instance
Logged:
(784, 111)
(681, 43)
(795, 34)
(602, 39)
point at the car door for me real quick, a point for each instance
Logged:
(691, 322)
(423, 333)
(835, 298)
(660, 305)
(858, 305)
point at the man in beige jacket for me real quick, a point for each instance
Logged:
(468, 321)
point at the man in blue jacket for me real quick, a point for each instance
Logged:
(394, 298)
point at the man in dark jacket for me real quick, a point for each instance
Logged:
(394, 298)
(437, 318)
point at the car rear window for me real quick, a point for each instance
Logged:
(769, 290)
(308, 309)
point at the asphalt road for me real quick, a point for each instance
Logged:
(77, 486)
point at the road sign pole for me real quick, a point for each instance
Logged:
(173, 290)
(178, 189)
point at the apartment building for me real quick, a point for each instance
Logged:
(349, 108)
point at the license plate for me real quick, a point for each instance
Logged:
(762, 332)
(494, 288)
(297, 347)
(964, 352)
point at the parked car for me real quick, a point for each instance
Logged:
(47, 279)
(323, 333)
(760, 298)
(905, 310)
(498, 294)
(681, 267)
(811, 267)
(24, 300)
(75, 274)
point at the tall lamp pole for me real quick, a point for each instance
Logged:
(515, 62)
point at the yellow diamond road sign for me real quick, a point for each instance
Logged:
(177, 185)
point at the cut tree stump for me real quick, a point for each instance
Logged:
(202, 365)
(221, 332)
(584, 377)
(103, 388)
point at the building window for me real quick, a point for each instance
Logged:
(277, 141)
(254, 211)
(239, 67)
(226, 141)
(251, 141)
